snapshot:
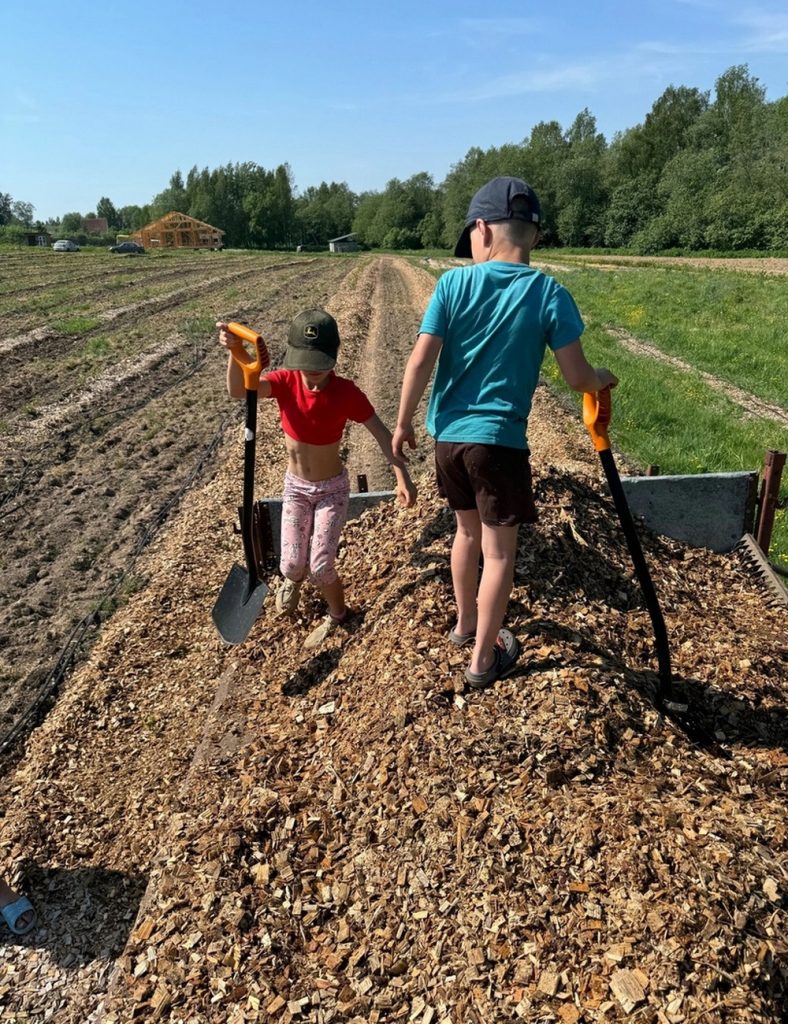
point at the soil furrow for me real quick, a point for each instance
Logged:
(145, 307)
(83, 483)
(398, 301)
(116, 276)
(50, 374)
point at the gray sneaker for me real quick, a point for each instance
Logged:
(287, 596)
(505, 655)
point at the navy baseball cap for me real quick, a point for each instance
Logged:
(493, 202)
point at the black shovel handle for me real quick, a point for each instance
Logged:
(597, 409)
(250, 432)
(251, 369)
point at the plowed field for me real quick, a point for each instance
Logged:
(262, 833)
(109, 398)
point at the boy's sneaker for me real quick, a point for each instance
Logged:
(505, 655)
(287, 596)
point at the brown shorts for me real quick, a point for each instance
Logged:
(493, 479)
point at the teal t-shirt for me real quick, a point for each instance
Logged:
(496, 319)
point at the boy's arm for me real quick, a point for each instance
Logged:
(578, 373)
(235, 378)
(406, 489)
(418, 371)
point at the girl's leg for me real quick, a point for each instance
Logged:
(499, 546)
(330, 515)
(297, 517)
(334, 594)
(465, 551)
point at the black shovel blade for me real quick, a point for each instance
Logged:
(236, 608)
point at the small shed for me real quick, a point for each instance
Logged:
(179, 231)
(40, 238)
(345, 243)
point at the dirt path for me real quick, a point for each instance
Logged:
(221, 835)
(399, 295)
(771, 265)
(754, 406)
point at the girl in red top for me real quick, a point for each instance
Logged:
(314, 406)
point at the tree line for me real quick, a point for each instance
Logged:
(702, 171)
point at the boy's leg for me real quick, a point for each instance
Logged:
(465, 551)
(330, 515)
(499, 546)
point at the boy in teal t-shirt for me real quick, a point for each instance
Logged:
(487, 327)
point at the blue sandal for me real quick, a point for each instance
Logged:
(14, 912)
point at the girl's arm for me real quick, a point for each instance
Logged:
(406, 489)
(235, 377)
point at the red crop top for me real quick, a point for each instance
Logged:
(317, 417)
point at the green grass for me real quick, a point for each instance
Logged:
(75, 324)
(673, 419)
(98, 346)
(726, 323)
(198, 328)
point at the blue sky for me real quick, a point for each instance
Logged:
(111, 98)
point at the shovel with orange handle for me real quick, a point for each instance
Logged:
(243, 593)
(597, 408)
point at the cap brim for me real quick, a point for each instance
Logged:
(309, 360)
(463, 247)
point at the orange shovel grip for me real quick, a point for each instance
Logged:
(251, 370)
(597, 407)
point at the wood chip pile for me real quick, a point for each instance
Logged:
(363, 841)
(358, 839)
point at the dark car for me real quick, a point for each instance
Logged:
(127, 247)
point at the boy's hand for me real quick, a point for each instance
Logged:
(402, 435)
(608, 378)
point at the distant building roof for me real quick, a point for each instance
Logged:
(343, 238)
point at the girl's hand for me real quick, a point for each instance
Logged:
(228, 340)
(406, 490)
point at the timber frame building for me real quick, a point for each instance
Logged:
(179, 231)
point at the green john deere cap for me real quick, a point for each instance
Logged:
(313, 342)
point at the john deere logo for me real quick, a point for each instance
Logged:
(310, 331)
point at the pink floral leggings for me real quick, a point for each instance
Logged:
(313, 514)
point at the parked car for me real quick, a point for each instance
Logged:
(127, 247)
(65, 245)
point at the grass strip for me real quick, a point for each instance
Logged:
(673, 419)
(729, 324)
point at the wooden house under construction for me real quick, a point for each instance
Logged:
(179, 231)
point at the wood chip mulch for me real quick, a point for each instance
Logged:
(359, 839)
